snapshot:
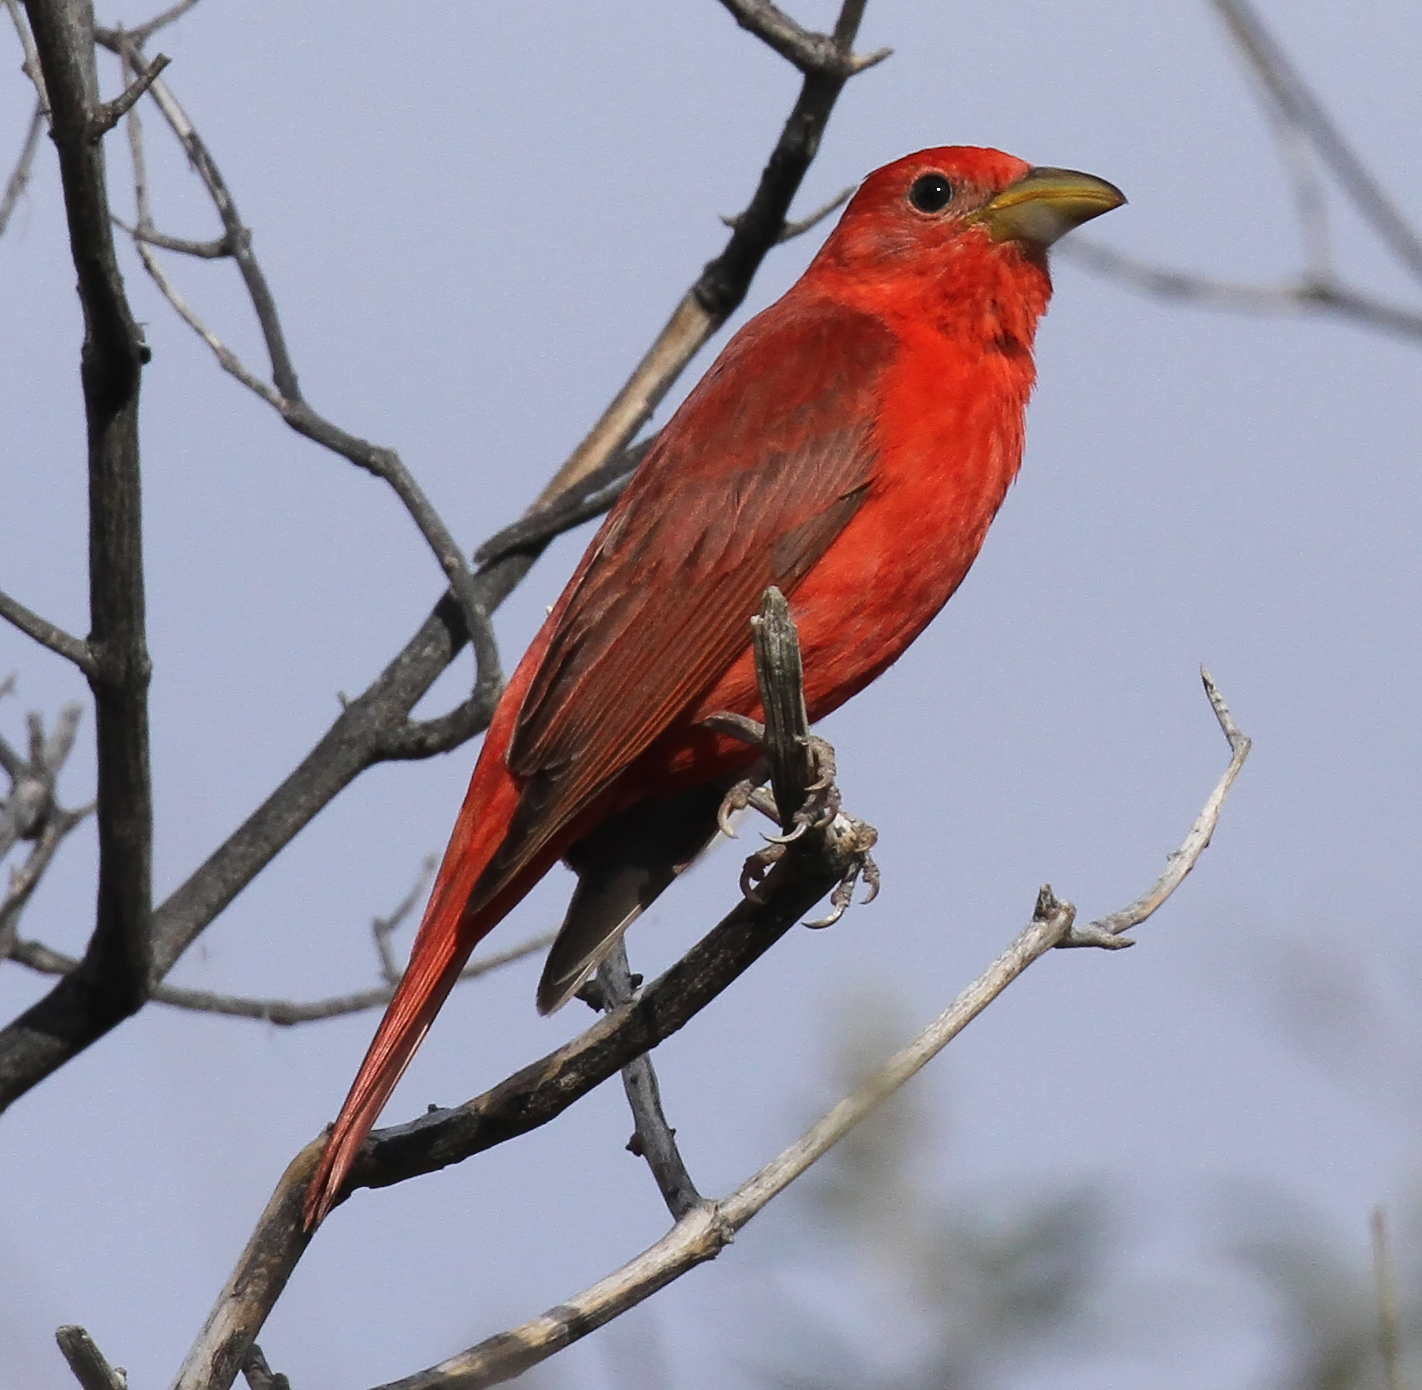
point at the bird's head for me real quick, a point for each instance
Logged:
(941, 213)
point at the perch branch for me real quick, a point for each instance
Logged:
(706, 1230)
(812, 866)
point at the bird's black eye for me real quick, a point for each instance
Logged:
(931, 193)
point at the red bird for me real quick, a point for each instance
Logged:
(851, 445)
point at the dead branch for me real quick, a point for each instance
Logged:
(828, 63)
(284, 1013)
(1303, 296)
(375, 726)
(1304, 128)
(652, 1137)
(114, 977)
(1299, 106)
(108, 114)
(87, 1361)
(813, 864)
(44, 632)
(705, 1231)
(19, 178)
(286, 398)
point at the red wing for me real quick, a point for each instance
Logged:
(750, 482)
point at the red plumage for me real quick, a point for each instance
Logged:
(851, 445)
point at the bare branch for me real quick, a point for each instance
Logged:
(1302, 297)
(114, 978)
(31, 802)
(1389, 1342)
(381, 928)
(24, 880)
(791, 230)
(284, 1013)
(19, 178)
(706, 1230)
(589, 497)
(108, 114)
(31, 66)
(1107, 931)
(214, 250)
(652, 1137)
(47, 634)
(87, 1361)
(382, 463)
(372, 727)
(809, 867)
(1300, 106)
(141, 33)
(722, 285)
(810, 52)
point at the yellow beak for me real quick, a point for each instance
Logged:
(1045, 204)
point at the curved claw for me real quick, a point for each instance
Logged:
(836, 913)
(737, 799)
(790, 838)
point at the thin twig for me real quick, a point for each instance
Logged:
(44, 632)
(1107, 931)
(1389, 1342)
(653, 1138)
(287, 399)
(31, 800)
(141, 33)
(108, 114)
(284, 1013)
(25, 879)
(824, 54)
(705, 1231)
(215, 250)
(381, 928)
(722, 285)
(31, 66)
(1300, 297)
(591, 496)
(1298, 103)
(19, 178)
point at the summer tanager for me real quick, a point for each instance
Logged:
(851, 445)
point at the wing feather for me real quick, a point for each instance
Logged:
(757, 473)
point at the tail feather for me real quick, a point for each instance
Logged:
(417, 1000)
(447, 935)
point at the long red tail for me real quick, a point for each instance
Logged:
(447, 935)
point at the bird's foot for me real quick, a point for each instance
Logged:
(861, 837)
(747, 793)
(822, 799)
